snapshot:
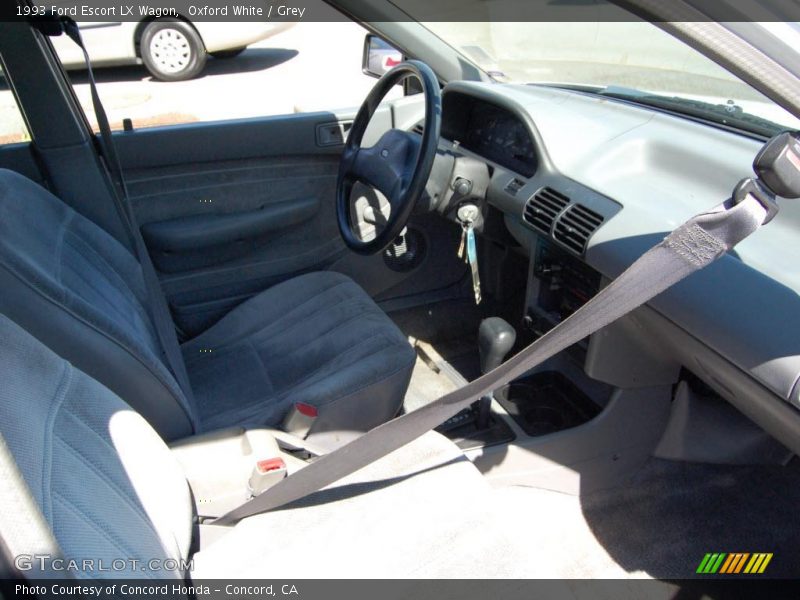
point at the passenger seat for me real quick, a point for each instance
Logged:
(318, 339)
(109, 488)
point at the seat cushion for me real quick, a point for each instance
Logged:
(423, 511)
(317, 339)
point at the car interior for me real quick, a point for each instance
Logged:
(244, 297)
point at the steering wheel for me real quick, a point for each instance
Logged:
(398, 165)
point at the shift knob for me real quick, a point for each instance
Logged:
(495, 340)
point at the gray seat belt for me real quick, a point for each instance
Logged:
(157, 304)
(691, 247)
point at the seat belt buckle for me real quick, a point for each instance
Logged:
(265, 474)
(300, 419)
(777, 167)
(753, 187)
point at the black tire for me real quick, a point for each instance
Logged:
(172, 50)
(228, 53)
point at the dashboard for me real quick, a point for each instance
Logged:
(491, 131)
(628, 175)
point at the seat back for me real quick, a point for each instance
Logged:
(102, 478)
(78, 290)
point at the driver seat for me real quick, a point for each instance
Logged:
(318, 339)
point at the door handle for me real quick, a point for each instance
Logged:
(333, 134)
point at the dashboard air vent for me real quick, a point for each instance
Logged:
(543, 208)
(575, 226)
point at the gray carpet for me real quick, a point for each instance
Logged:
(426, 386)
(443, 321)
(659, 525)
(667, 518)
(673, 513)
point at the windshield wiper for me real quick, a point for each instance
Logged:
(728, 114)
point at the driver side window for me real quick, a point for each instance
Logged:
(12, 126)
(296, 68)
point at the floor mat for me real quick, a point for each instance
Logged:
(440, 369)
(462, 355)
(426, 386)
(449, 331)
(443, 321)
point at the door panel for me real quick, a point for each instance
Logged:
(214, 217)
(188, 243)
(221, 231)
(229, 209)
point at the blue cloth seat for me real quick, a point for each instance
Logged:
(317, 339)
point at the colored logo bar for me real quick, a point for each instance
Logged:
(734, 563)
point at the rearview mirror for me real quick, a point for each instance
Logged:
(379, 56)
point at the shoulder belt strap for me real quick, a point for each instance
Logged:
(692, 246)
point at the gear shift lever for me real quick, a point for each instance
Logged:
(495, 340)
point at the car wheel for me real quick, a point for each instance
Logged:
(228, 53)
(172, 50)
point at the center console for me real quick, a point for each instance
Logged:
(547, 400)
(558, 285)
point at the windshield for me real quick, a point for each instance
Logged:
(630, 60)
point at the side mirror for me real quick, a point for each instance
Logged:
(379, 56)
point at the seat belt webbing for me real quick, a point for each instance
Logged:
(692, 246)
(157, 305)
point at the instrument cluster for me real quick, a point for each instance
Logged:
(490, 131)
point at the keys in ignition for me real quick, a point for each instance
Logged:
(472, 257)
(467, 214)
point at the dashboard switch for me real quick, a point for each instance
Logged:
(462, 187)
